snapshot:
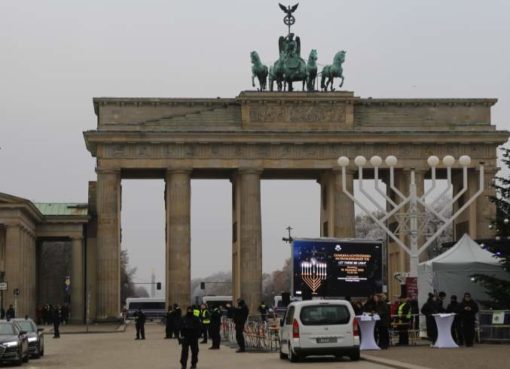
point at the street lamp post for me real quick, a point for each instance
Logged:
(408, 207)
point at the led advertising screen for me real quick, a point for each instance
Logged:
(336, 268)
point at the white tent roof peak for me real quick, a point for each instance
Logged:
(464, 251)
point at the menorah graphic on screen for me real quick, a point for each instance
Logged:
(313, 273)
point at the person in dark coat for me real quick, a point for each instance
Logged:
(176, 320)
(139, 324)
(57, 319)
(240, 317)
(468, 310)
(369, 305)
(10, 313)
(214, 328)
(453, 308)
(169, 326)
(429, 308)
(382, 326)
(189, 332)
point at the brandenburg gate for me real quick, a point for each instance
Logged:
(269, 135)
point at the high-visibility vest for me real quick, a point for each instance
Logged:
(196, 313)
(400, 312)
(205, 317)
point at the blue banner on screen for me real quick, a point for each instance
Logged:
(336, 268)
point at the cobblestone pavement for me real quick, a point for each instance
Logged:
(481, 356)
(121, 351)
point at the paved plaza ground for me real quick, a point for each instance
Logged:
(118, 349)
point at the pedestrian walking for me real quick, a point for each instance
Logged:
(57, 319)
(10, 313)
(190, 329)
(139, 324)
(240, 316)
(205, 318)
(468, 310)
(214, 328)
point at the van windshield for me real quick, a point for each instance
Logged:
(324, 315)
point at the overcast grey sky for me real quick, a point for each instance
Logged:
(56, 55)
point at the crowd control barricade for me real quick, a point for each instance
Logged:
(258, 335)
(494, 326)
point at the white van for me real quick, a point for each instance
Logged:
(319, 327)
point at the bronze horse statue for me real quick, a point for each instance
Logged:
(258, 70)
(330, 72)
(311, 71)
(290, 67)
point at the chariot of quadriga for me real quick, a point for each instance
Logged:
(290, 67)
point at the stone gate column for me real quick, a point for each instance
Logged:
(178, 237)
(77, 280)
(337, 209)
(13, 264)
(249, 249)
(108, 244)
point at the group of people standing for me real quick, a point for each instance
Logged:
(463, 327)
(198, 322)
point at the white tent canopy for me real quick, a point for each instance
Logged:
(452, 270)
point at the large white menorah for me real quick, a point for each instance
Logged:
(407, 206)
(312, 273)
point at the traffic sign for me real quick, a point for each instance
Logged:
(3, 286)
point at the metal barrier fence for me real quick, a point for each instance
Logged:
(258, 335)
(494, 326)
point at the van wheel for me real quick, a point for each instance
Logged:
(355, 355)
(292, 356)
(282, 355)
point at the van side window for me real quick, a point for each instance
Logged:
(289, 318)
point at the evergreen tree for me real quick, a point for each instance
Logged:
(499, 289)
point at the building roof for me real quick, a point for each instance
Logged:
(62, 209)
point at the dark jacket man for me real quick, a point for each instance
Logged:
(381, 326)
(176, 320)
(169, 326)
(139, 324)
(453, 308)
(57, 319)
(190, 329)
(240, 316)
(468, 310)
(214, 328)
(428, 309)
(10, 313)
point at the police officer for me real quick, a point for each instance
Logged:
(190, 329)
(263, 311)
(139, 324)
(404, 317)
(240, 316)
(205, 318)
(214, 328)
